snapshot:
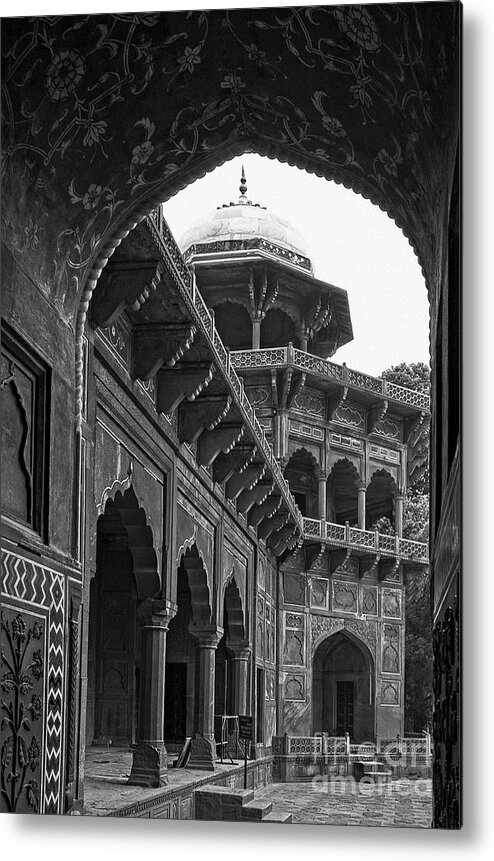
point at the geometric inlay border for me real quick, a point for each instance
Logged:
(43, 587)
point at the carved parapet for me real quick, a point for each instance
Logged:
(376, 415)
(125, 284)
(184, 381)
(158, 344)
(257, 495)
(235, 461)
(264, 510)
(221, 439)
(245, 480)
(201, 414)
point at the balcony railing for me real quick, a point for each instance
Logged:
(362, 539)
(280, 356)
(186, 285)
(409, 747)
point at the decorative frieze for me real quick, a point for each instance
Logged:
(381, 453)
(391, 603)
(350, 415)
(391, 650)
(306, 430)
(362, 629)
(294, 588)
(346, 441)
(309, 402)
(390, 693)
(344, 596)
(294, 688)
(369, 601)
(388, 428)
(319, 593)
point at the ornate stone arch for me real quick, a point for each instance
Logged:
(198, 584)
(301, 449)
(232, 603)
(123, 507)
(384, 473)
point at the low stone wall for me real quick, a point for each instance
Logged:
(300, 768)
(178, 803)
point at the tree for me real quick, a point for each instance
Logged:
(418, 622)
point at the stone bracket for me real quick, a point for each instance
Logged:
(221, 439)
(256, 495)
(369, 570)
(334, 403)
(272, 524)
(157, 344)
(120, 285)
(281, 539)
(264, 510)
(245, 480)
(413, 429)
(182, 382)
(388, 569)
(376, 415)
(203, 413)
(235, 461)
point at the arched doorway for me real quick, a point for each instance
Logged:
(234, 325)
(301, 474)
(126, 573)
(181, 671)
(342, 493)
(343, 688)
(230, 688)
(379, 500)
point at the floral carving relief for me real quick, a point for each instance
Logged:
(22, 709)
(88, 90)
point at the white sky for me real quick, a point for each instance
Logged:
(352, 244)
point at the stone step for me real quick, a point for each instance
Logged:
(256, 810)
(274, 816)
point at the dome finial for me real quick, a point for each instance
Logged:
(243, 186)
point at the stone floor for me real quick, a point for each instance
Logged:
(404, 803)
(107, 772)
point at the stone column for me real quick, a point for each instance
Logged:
(149, 766)
(399, 500)
(303, 338)
(239, 667)
(256, 333)
(322, 497)
(203, 746)
(361, 489)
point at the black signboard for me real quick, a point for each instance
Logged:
(245, 727)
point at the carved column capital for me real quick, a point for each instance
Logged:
(206, 636)
(240, 649)
(156, 613)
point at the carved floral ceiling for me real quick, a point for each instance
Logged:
(104, 113)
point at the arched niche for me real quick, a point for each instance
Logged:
(343, 687)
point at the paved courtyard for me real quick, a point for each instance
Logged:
(404, 803)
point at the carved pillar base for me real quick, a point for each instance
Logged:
(149, 766)
(202, 753)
